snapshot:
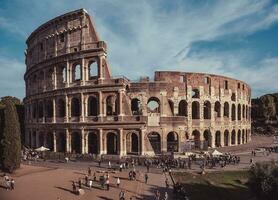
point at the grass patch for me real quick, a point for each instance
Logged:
(226, 185)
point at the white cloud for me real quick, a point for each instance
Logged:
(144, 36)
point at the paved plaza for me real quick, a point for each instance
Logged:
(53, 180)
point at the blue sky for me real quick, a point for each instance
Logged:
(237, 38)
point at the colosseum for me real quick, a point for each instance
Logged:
(73, 103)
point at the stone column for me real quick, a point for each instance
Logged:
(101, 146)
(212, 133)
(83, 71)
(68, 140)
(54, 142)
(222, 135)
(230, 139)
(82, 107)
(83, 145)
(86, 142)
(85, 106)
(236, 138)
(100, 104)
(100, 71)
(120, 103)
(54, 110)
(122, 142)
(55, 38)
(142, 141)
(68, 74)
(67, 109)
(55, 77)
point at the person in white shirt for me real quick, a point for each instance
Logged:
(118, 182)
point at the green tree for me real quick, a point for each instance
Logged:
(263, 180)
(10, 137)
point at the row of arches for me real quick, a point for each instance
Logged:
(46, 78)
(153, 106)
(200, 141)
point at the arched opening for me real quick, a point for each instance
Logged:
(226, 109)
(49, 109)
(218, 139)
(243, 137)
(183, 108)
(41, 78)
(92, 106)
(246, 136)
(195, 110)
(132, 143)
(61, 110)
(197, 141)
(226, 138)
(217, 109)
(111, 107)
(40, 108)
(172, 142)
(135, 107)
(61, 142)
(41, 139)
(233, 137)
(93, 70)
(76, 76)
(153, 105)
(155, 142)
(49, 141)
(239, 137)
(75, 107)
(112, 143)
(207, 139)
(195, 93)
(75, 142)
(93, 143)
(239, 112)
(207, 110)
(233, 112)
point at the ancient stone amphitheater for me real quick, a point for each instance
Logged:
(73, 103)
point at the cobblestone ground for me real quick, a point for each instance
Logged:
(52, 180)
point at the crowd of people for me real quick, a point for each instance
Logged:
(9, 182)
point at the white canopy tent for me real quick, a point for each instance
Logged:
(42, 148)
(216, 153)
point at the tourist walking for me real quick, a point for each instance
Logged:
(109, 165)
(74, 187)
(122, 195)
(166, 183)
(166, 196)
(107, 184)
(89, 171)
(90, 183)
(146, 178)
(12, 184)
(118, 182)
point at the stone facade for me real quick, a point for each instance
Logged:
(73, 104)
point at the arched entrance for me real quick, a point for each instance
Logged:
(233, 137)
(75, 142)
(243, 137)
(112, 143)
(172, 142)
(132, 143)
(226, 138)
(207, 137)
(61, 142)
(155, 141)
(49, 140)
(41, 139)
(218, 139)
(239, 137)
(93, 143)
(197, 142)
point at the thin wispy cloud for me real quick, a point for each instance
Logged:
(160, 35)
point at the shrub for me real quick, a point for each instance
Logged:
(263, 180)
